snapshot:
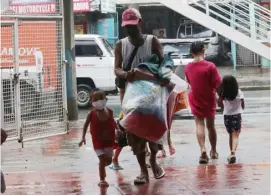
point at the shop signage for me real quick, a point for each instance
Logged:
(45, 6)
(81, 5)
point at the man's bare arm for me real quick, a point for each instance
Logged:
(118, 62)
(157, 48)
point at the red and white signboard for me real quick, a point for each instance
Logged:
(45, 6)
(81, 5)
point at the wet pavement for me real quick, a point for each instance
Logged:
(56, 165)
(256, 102)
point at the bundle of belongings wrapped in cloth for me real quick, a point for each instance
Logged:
(148, 107)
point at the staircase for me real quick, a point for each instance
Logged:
(242, 21)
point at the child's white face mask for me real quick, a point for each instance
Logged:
(99, 105)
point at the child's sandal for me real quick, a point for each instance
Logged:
(232, 159)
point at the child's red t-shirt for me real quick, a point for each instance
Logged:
(102, 132)
(204, 79)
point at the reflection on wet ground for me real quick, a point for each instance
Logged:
(209, 179)
(56, 165)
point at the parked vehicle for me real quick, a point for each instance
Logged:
(180, 50)
(217, 47)
(94, 66)
(180, 53)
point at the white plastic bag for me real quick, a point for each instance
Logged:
(145, 110)
(180, 84)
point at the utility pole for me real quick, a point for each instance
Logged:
(70, 58)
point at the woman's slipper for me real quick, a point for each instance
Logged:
(232, 159)
(141, 180)
(171, 150)
(213, 155)
(103, 183)
(203, 159)
(115, 166)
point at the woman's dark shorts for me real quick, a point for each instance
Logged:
(233, 122)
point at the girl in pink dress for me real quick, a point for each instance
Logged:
(204, 80)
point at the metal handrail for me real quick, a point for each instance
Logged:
(243, 15)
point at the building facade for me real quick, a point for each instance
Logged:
(90, 16)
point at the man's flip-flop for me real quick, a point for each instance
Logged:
(163, 173)
(155, 173)
(141, 180)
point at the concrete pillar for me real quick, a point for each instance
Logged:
(70, 58)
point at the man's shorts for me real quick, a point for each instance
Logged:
(233, 122)
(138, 144)
(105, 151)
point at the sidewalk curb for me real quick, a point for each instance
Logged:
(255, 88)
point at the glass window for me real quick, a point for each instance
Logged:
(194, 31)
(87, 49)
(177, 48)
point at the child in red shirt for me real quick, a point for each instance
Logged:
(102, 129)
(204, 80)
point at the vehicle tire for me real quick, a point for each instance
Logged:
(83, 95)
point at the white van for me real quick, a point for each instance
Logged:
(94, 66)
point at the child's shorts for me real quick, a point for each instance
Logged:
(105, 151)
(233, 122)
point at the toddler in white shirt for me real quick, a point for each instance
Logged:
(231, 100)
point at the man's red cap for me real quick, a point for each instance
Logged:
(130, 16)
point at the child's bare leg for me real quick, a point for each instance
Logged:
(233, 146)
(102, 173)
(102, 167)
(115, 159)
(230, 141)
(108, 161)
(235, 137)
